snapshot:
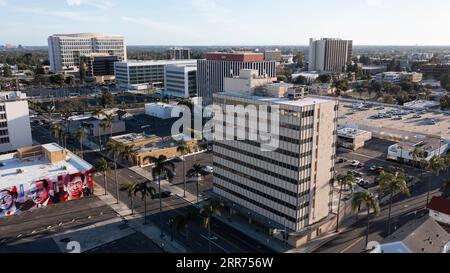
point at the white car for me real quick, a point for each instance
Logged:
(359, 180)
(355, 163)
(208, 169)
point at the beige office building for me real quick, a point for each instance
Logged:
(65, 50)
(289, 186)
(330, 55)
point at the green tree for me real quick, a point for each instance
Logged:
(392, 183)
(103, 167)
(196, 172)
(324, 78)
(7, 73)
(107, 99)
(371, 203)
(131, 189)
(146, 190)
(108, 120)
(183, 150)
(70, 81)
(55, 131)
(80, 134)
(57, 79)
(214, 207)
(82, 72)
(182, 221)
(343, 181)
(437, 165)
(161, 168)
(115, 149)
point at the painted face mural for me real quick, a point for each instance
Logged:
(75, 187)
(6, 200)
(45, 192)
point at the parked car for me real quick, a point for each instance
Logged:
(208, 169)
(355, 163)
(341, 160)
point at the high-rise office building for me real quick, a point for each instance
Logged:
(65, 50)
(212, 71)
(330, 55)
(177, 53)
(289, 186)
(134, 74)
(15, 129)
(99, 65)
(181, 81)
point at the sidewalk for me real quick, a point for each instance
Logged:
(135, 222)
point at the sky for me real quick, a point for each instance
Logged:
(230, 22)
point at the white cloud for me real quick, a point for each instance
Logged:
(100, 4)
(375, 3)
(76, 16)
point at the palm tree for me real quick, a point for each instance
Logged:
(55, 131)
(437, 164)
(80, 134)
(146, 190)
(371, 203)
(115, 149)
(65, 135)
(196, 172)
(343, 180)
(128, 152)
(108, 120)
(161, 168)
(97, 113)
(213, 208)
(131, 189)
(392, 183)
(103, 167)
(418, 154)
(104, 127)
(182, 221)
(183, 150)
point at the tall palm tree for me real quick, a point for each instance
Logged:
(183, 150)
(55, 131)
(392, 183)
(146, 190)
(80, 134)
(65, 135)
(104, 127)
(437, 164)
(182, 221)
(371, 202)
(128, 152)
(108, 120)
(115, 149)
(212, 208)
(419, 156)
(131, 189)
(103, 167)
(196, 172)
(161, 168)
(343, 180)
(97, 113)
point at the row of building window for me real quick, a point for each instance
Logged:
(3, 124)
(2, 108)
(4, 132)
(270, 160)
(267, 208)
(261, 182)
(258, 169)
(262, 194)
(4, 140)
(2, 116)
(279, 150)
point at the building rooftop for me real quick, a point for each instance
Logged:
(12, 96)
(351, 133)
(305, 101)
(38, 167)
(421, 104)
(427, 144)
(155, 62)
(423, 235)
(440, 204)
(86, 35)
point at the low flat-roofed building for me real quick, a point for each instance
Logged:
(93, 127)
(374, 69)
(160, 110)
(402, 152)
(422, 235)
(353, 138)
(38, 176)
(422, 104)
(155, 146)
(440, 210)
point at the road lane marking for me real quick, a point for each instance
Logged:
(214, 243)
(352, 245)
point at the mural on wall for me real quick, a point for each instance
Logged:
(45, 192)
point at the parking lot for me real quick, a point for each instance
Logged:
(416, 122)
(373, 159)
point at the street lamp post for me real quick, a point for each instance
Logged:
(171, 229)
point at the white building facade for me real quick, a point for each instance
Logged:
(180, 81)
(291, 185)
(330, 55)
(15, 128)
(135, 75)
(65, 50)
